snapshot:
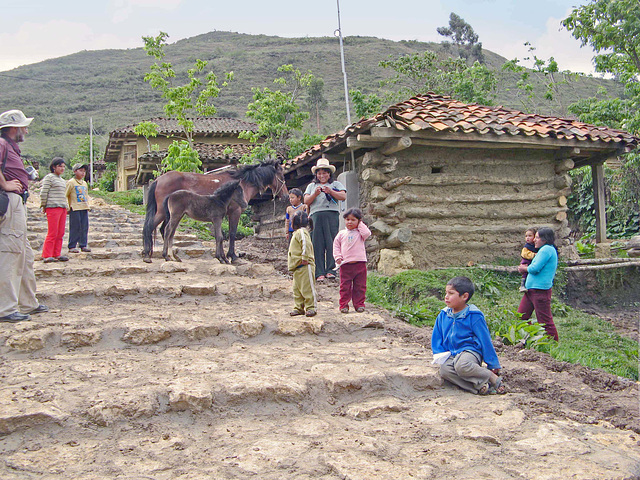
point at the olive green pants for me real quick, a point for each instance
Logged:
(304, 288)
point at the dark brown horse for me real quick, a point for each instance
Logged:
(254, 179)
(205, 208)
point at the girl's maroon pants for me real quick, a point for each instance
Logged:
(353, 284)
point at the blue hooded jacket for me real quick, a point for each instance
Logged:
(465, 330)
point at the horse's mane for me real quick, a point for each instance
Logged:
(224, 193)
(259, 175)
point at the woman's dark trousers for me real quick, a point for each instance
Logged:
(325, 229)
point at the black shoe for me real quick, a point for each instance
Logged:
(15, 317)
(39, 309)
(63, 258)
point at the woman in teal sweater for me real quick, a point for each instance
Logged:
(540, 275)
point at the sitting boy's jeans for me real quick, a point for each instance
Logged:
(466, 371)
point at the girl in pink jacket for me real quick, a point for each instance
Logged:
(351, 256)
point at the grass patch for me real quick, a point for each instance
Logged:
(417, 297)
(132, 200)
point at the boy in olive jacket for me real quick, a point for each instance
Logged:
(301, 262)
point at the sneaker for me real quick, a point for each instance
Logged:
(50, 259)
(360, 309)
(85, 249)
(39, 309)
(311, 313)
(74, 250)
(63, 258)
(15, 317)
(344, 310)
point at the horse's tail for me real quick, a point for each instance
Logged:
(149, 227)
(167, 213)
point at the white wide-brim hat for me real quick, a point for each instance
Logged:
(323, 163)
(14, 118)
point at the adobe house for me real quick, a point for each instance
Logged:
(444, 183)
(215, 139)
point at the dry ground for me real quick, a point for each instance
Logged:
(195, 370)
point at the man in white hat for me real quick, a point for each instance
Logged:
(18, 282)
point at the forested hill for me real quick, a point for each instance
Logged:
(107, 85)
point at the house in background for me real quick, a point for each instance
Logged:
(444, 183)
(215, 139)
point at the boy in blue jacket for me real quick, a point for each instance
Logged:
(461, 342)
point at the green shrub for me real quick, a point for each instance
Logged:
(517, 331)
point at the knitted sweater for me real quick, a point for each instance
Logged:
(52, 194)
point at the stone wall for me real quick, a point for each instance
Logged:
(455, 207)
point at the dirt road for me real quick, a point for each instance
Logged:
(194, 370)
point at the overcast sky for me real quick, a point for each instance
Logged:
(35, 30)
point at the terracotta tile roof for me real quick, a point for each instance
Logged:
(439, 113)
(208, 151)
(202, 125)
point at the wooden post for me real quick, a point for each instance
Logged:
(597, 173)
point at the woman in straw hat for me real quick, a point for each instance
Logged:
(322, 195)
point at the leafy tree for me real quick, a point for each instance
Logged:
(194, 98)
(83, 155)
(544, 72)
(316, 101)
(366, 105)
(146, 130)
(464, 38)
(612, 29)
(420, 73)
(299, 145)
(277, 114)
(183, 157)
(108, 179)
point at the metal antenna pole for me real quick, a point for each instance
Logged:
(344, 70)
(344, 75)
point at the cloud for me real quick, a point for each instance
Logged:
(558, 43)
(122, 9)
(555, 41)
(34, 42)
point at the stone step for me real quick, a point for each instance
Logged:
(126, 251)
(202, 377)
(146, 274)
(106, 228)
(122, 318)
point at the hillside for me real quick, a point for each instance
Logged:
(107, 85)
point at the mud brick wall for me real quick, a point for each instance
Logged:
(464, 205)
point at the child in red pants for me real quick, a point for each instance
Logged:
(350, 255)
